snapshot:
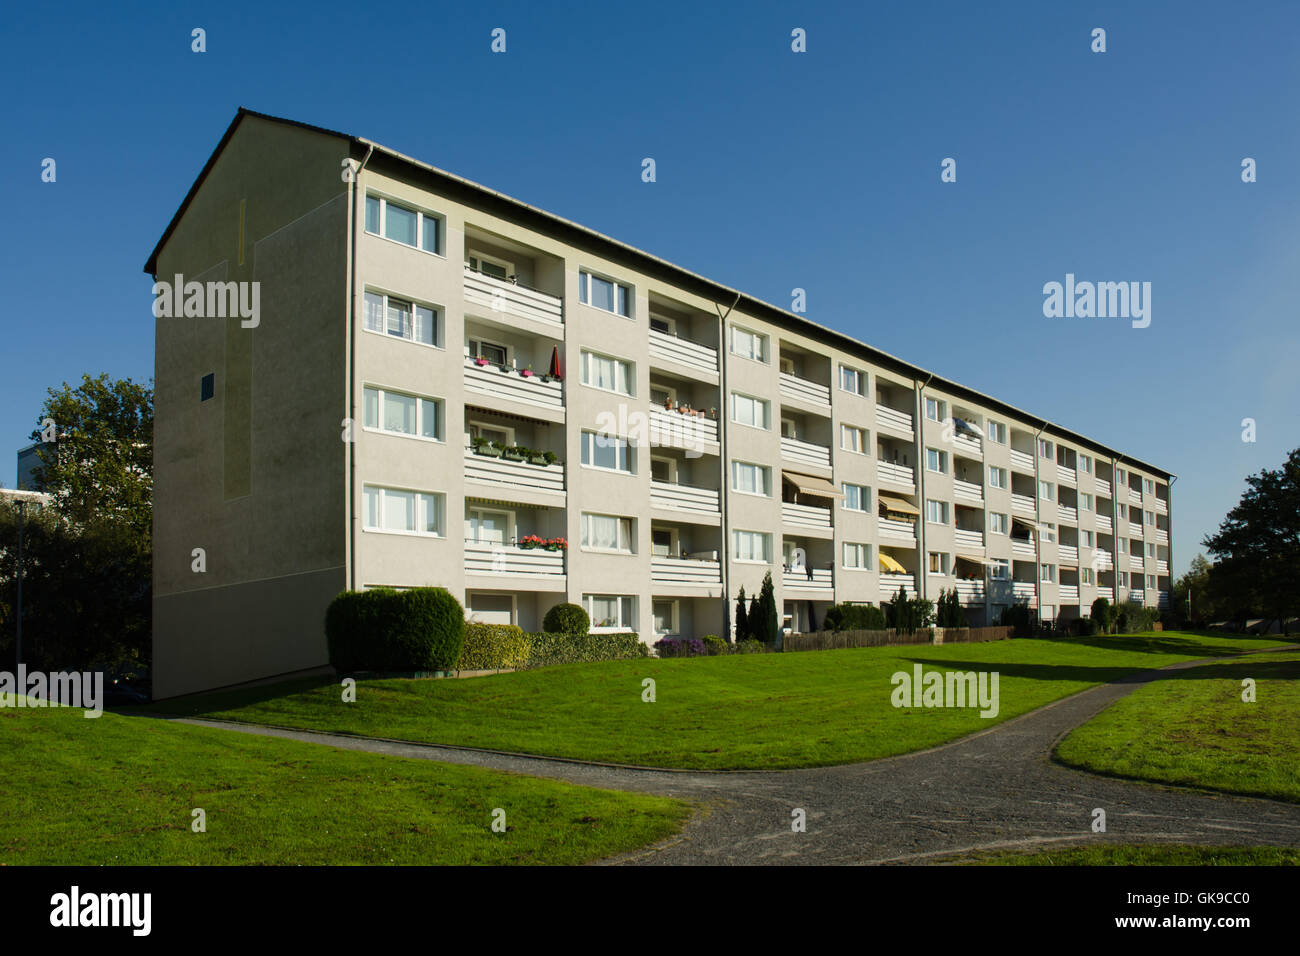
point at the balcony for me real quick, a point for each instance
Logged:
(1067, 554)
(1162, 600)
(821, 582)
(1107, 593)
(509, 298)
(805, 516)
(508, 384)
(1162, 536)
(968, 539)
(896, 474)
(1161, 506)
(1066, 475)
(509, 559)
(1104, 525)
(970, 592)
(665, 571)
(802, 390)
(1023, 505)
(703, 501)
(967, 491)
(506, 473)
(890, 583)
(798, 452)
(1022, 461)
(895, 530)
(1103, 560)
(891, 419)
(1135, 562)
(967, 445)
(1162, 567)
(678, 430)
(1068, 593)
(1021, 548)
(1024, 591)
(1067, 514)
(1134, 529)
(669, 348)
(1134, 496)
(1137, 595)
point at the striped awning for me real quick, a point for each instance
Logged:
(898, 504)
(812, 485)
(889, 564)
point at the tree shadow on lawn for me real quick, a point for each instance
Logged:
(198, 705)
(1275, 670)
(1158, 643)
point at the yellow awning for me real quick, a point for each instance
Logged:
(889, 564)
(812, 485)
(977, 560)
(898, 504)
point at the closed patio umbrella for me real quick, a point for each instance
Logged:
(557, 366)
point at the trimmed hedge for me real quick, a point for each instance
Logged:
(422, 629)
(854, 617)
(567, 619)
(493, 647)
(548, 649)
(714, 645)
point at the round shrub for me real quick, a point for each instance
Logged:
(566, 619)
(714, 645)
(386, 630)
(493, 647)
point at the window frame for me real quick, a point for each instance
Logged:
(420, 216)
(440, 498)
(584, 293)
(440, 414)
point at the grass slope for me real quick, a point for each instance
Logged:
(1195, 730)
(120, 790)
(762, 711)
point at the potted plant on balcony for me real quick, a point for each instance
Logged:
(480, 361)
(514, 453)
(551, 457)
(530, 541)
(527, 372)
(668, 404)
(537, 457)
(484, 446)
(556, 544)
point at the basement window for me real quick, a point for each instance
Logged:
(207, 386)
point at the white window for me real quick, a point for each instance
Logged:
(1047, 490)
(1123, 579)
(1088, 539)
(663, 470)
(856, 497)
(853, 439)
(852, 380)
(408, 512)
(607, 451)
(938, 562)
(1150, 516)
(936, 512)
(747, 410)
(604, 294)
(752, 546)
(1085, 502)
(1123, 546)
(607, 533)
(1121, 476)
(495, 354)
(402, 414)
(1000, 569)
(1122, 511)
(999, 523)
(1148, 486)
(1049, 532)
(403, 319)
(411, 227)
(936, 460)
(1047, 572)
(857, 556)
(935, 410)
(610, 612)
(489, 265)
(997, 432)
(1151, 581)
(997, 477)
(750, 479)
(747, 344)
(665, 617)
(1086, 577)
(1151, 549)
(661, 323)
(1045, 448)
(1085, 464)
(606, 373)
(488, 527)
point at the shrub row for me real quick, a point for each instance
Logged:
(548, 649)
(854, 617)
(494, 647)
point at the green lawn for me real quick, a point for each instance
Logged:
(1108, 854)
(120, 790)
(761, 711)
(1195, 730)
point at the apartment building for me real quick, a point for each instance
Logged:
(448, 387)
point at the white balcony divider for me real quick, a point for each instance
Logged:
(898, 530)
(1023, 505)
(970, 592)
(1068, 592)
(967, 491)
(514, 474)
(792, 386)
(805, 516)
(1066, 513)
(501, 296)
(970, 539)
(670, 348)
(491, 381)
(509, 559)
(822, 580)
(887, 417)
(898, 474)
(890, 583)
(798, 452)
(664, 570)
(1022, 461)
(677, 430)
(684, 498)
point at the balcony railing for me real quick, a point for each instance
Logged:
(665, 570)
(1068, 592)
(970, 592)
(1024, 591)
(493, 381)
(803, 390)
(1134, 496)
(1103, 524)
(896, 474)
(511, 298)
(684, 498)
(678, 430)
(1137, 594)
(1161, 506)
(1067, 475)
(967, 491)
(1021, 548)
(1162, 536)
(969, 539)
(1162, 600)
(1066, 513)
(483, 558)
(1134, 529)
(1023, 505)
(1107, 593)
(1135, 562)
(966, 444)
(513, 474)
(670, 348)
(1022, 461)
(896, 530)
(890, 583)
(1103, 560)
(1067, 553)
(892, 418)
(805, 516)
(1162, 567)
(798, 452)
(822, 580)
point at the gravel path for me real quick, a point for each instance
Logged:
(995, 789)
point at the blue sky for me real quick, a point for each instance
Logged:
(775, 170)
